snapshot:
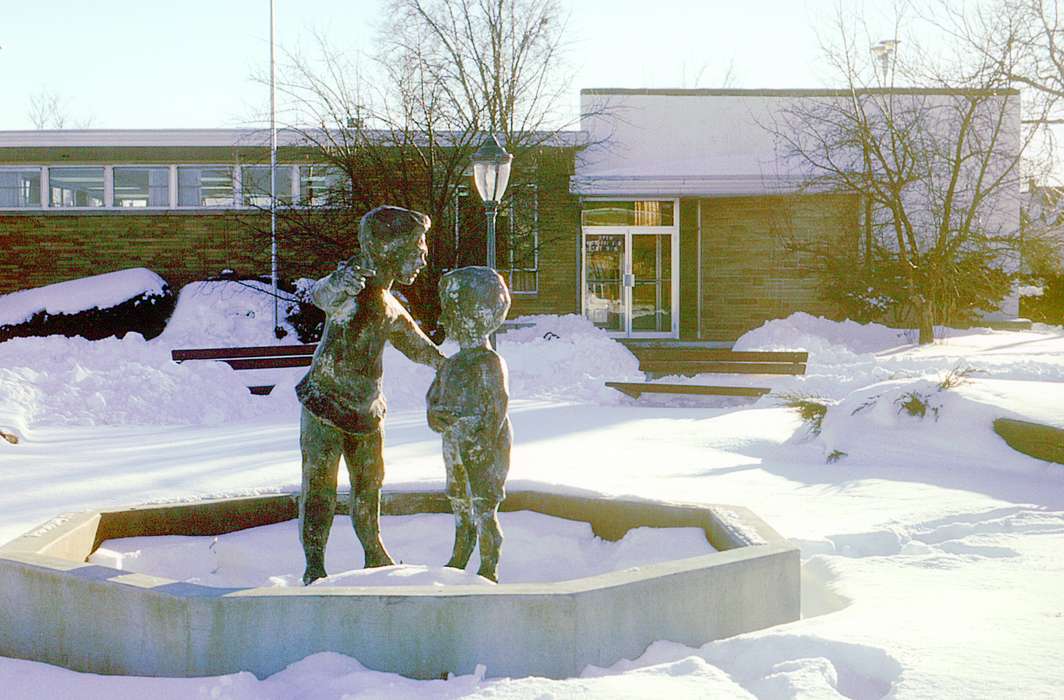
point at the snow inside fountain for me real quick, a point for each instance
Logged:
(536, 549)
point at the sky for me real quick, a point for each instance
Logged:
(149, 65)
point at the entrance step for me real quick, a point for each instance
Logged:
(684, 360)
(637, 389)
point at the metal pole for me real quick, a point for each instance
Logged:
(489, 211)
(273, 175)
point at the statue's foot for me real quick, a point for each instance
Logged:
(312, 574)
(490, 574)
(379, 559)
(458, 563)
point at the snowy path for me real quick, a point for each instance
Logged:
(933, 578)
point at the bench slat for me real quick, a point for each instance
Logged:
(226, 353)
(707, 367)
(635, 389)
(269, 362)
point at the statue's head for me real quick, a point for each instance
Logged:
(474, 302)
(393, 242)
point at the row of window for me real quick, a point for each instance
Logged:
(166, 186)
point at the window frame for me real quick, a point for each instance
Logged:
(298, 183)
(511, 268)
(42, 183)
(234, 203)
(104, 182)
(171, 194)
(293, 189)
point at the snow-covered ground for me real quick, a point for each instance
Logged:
(931, 564)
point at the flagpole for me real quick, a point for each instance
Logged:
(273, 174)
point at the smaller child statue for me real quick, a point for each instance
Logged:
(467, 405)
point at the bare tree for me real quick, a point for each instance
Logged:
(402, 126)
(47, 110)
(936, 167)
(1022, 39)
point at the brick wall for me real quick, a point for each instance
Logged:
(750, 273)
(559, 236)
(40, 249)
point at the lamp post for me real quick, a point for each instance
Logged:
(491, 173)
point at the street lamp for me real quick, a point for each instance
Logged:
(491, 173)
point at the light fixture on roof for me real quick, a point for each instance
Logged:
(884, 51)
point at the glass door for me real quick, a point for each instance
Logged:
(629, 275)
(651, 284)
(605, 263)
(628, 282)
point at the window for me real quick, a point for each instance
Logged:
(141, 187)
(321, 185)
(75, 187)
(517, 240)
(627, 213)
(205, 186)
(255, 185)
(20, 188)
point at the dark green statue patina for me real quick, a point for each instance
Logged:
(467, 405)
(343, 405)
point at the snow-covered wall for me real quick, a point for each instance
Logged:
(678, 142)
(714, 142)
(706, 143)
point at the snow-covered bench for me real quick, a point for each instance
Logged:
(661, 361)
(259, 357)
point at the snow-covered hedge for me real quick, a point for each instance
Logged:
(112, 304)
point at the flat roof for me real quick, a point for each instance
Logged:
(250, 138)
(790, 92)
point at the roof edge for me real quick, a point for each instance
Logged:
(790, 92)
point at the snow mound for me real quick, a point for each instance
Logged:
(99, 291)
(74, 381)
(897, 421)
(826, 341)
(226, 313)
(565, 358)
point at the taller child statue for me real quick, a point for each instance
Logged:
(343, 405)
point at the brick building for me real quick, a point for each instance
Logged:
(668, 216)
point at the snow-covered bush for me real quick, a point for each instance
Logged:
(226, 313)
(302, 315)
(811, 409)
(127, 301)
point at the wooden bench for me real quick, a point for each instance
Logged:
(659, 361)
(259, 357)
(272, 356)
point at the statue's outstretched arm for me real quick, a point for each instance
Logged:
(412, 342)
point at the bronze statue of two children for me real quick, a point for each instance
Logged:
(344, 407)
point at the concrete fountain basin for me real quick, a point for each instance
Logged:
(57, 608)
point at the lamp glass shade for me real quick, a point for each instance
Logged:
(491, 170)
